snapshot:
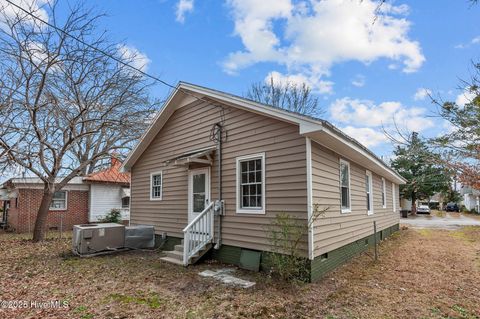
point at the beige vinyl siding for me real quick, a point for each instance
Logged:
(248, 133)
(334, 229)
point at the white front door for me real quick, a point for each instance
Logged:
(198, 191)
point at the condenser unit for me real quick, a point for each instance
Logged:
(90, 239)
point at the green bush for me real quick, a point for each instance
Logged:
(114, 216)
(285, 234)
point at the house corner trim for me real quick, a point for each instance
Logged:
(308, 142)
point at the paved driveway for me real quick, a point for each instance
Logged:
(450, 221)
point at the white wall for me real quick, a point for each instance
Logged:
(103, 198)
(405, 204)
(470, 201)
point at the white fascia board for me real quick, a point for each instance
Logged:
(379, 167)
(255, 107)
(190, 93)
(157, 123)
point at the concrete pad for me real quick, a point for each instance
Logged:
(224, 275)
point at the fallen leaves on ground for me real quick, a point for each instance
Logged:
(420, 274)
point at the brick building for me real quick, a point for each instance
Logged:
(69, 206)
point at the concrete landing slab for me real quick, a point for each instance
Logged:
(225, 276)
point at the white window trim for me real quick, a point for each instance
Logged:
(237, 182)
(384, 190)
(208, 189)
(394, 200)
(349, 209)
(370, 191)
(66, 202)
(151, 185)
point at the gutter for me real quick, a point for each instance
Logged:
(351, 143)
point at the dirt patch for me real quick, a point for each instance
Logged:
(439, 213)
(433, 274)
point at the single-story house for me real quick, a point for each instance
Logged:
(108, 189)
(471, 198)
(82, 200)
(4, 202)
(214, 170)
(69, 206)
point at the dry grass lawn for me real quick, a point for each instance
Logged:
(420, 274)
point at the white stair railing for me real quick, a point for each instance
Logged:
(198, 233)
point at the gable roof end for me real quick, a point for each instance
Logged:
(319, 130)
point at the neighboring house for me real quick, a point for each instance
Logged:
(69, 206)
(4, 202)
(82, 200)
(471, 198)
(269, 161)
(109, 189)
(437, 201)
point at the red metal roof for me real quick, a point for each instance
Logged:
(109, 175)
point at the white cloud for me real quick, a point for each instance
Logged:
(386, 115)
(358, 81)
(314, 83)
(448, 128)
(366, 135)
(183, 7)
(475, 40)
(36, 7)
(311, 38)
(422, 94)
(134, 57)
(466, 96)
(36, 52)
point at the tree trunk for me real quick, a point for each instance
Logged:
(42, 214)
(414, 204)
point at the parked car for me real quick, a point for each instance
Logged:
(423, 209)
(452, 207)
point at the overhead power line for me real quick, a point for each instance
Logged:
(155, 78)
(91, 46)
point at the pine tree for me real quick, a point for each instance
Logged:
(420, 167)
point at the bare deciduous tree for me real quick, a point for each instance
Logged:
(289, 96)
(65, 105)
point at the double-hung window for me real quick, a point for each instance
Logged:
(384, 194)
(345, 186)
(369, 192)
(251, 184)
(156, 186)
(59, 201)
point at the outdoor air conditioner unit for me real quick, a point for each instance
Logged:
(89, 239)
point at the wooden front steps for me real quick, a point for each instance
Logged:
(176, 256)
